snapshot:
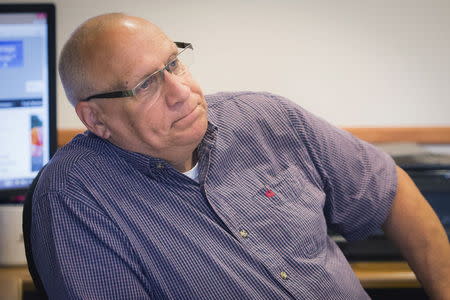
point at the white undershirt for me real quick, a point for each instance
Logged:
(193, 173)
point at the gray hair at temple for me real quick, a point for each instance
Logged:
(74, 60)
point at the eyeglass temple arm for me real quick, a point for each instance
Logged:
(119, 94)
(183, 45)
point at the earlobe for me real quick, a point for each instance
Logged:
(90, 116)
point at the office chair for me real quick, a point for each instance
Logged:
(26, 228)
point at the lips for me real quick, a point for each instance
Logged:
(186, 115)
(188, 118)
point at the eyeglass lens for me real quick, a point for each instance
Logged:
(151, 85)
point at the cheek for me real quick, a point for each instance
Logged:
(115, 118)
(195, 87)
(148, 122)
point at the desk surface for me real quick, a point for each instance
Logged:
(371, 275)
(385, 275)
(12, 281)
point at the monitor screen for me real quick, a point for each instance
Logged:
(27, 94)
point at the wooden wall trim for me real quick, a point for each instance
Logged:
(382, 274)
(65, 135)
(421, 135)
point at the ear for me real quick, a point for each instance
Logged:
(90, 114)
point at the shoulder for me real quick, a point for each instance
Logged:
(71, 161)
(249, 98)
(249, 106)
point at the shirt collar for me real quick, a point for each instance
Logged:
(151, 165)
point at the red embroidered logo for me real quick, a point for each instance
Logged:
(269, 193)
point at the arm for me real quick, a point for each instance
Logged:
(80, 254)
(416, 230)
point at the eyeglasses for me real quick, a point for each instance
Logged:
(151, 84)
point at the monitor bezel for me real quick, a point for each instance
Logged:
(7, 195)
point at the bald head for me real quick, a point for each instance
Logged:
(94, 47)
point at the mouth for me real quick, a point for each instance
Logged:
(189, 117)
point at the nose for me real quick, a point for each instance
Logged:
(176, 90)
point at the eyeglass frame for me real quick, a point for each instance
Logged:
(131, 93)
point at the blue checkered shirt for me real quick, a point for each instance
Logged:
(112, 224)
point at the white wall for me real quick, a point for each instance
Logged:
(353, 62)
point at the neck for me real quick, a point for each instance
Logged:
(185, 164)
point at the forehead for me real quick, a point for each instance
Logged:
(132, 51)
(146, 59)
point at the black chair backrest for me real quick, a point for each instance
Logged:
(26, 228)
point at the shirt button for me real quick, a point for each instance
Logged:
(243, 233)
(284, 275)
(160, 166)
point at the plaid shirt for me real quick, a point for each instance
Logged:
(112, 224)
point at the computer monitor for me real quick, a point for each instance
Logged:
(27, 95)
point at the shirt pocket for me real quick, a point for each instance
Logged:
(287, 214)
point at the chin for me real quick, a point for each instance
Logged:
(194, 134)
(200, 127)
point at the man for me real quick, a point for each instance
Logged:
(160, 199)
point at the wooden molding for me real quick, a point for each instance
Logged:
(421, 135)
(65, 135)
(385, 275)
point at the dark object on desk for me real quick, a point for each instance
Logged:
(397, 294)
(29, 291)
(431, 173)
(26, 228)
(423, 161)
(375, 248)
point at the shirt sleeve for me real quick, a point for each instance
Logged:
(80, 254)
(359, 180)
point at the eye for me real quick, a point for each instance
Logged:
(173, 65)
(147, 83)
